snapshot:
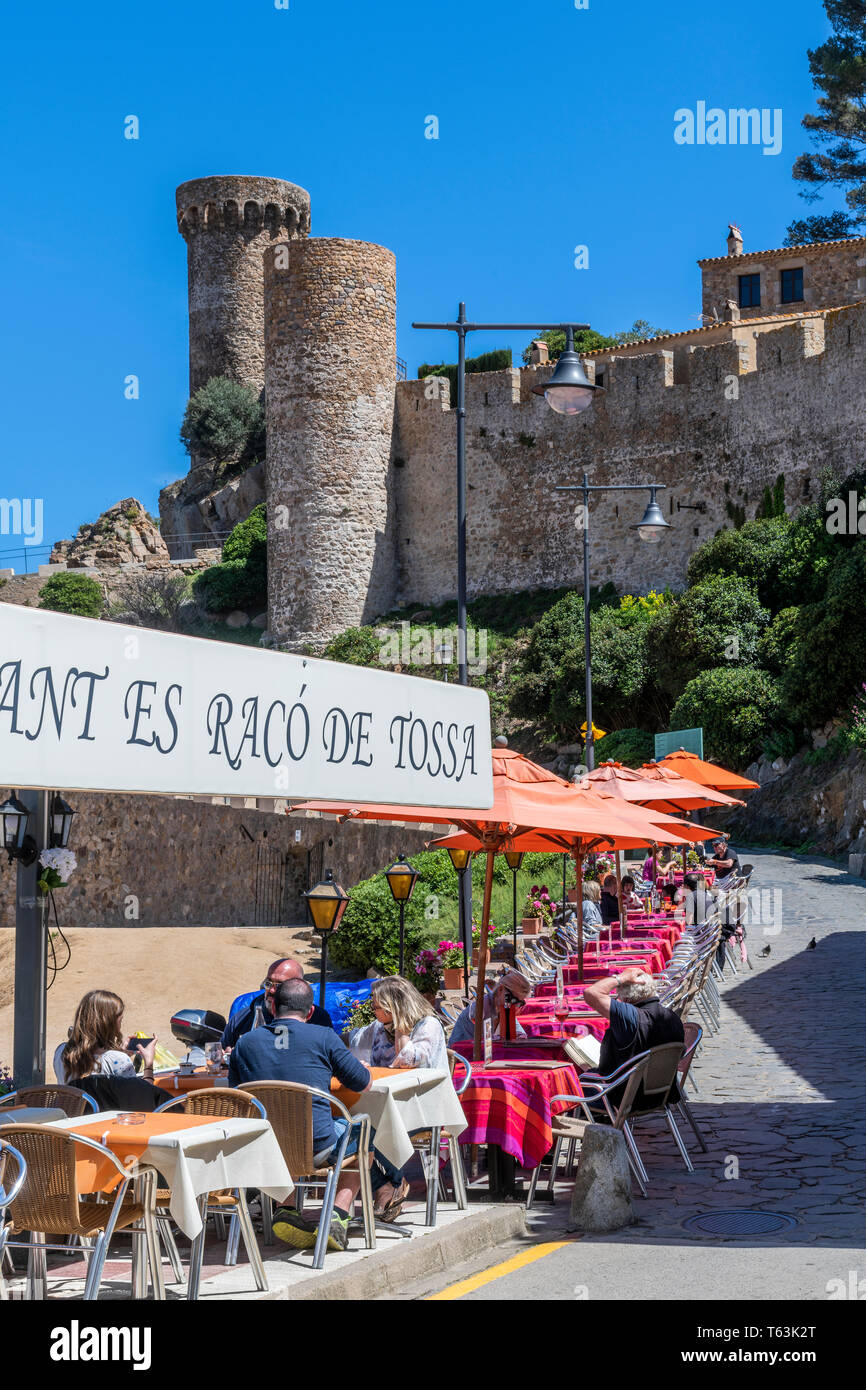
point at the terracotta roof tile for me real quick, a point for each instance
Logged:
(783, 250)
(722, 323)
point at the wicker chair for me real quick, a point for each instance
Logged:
(10, 1186)
(221, 1103)
(69, 1099)
(289, 1108)
(49, 1200)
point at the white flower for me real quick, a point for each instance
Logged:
(62, 861)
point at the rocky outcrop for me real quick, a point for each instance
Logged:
(201, 509)
(821, 804)
(125, 534)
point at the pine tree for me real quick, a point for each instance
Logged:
(838, 128)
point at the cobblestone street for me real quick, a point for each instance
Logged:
(782, 1103)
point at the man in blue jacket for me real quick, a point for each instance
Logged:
(293, 1048)
(260, 1009)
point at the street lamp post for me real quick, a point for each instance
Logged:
(401, 880)
(514, 860)
(326, 903)
(651, 527)
(568, 392)
(462, 860)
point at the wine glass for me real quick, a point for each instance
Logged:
(561, 1010)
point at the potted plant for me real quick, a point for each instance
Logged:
(538, 911)
(450, 954)
(57, 866)
(7, 1085)
(427, 974)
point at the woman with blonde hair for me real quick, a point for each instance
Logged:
(406, 1033)
(96, 1045)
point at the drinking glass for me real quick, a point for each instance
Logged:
(561, 1010)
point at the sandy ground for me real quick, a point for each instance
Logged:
(155, 971)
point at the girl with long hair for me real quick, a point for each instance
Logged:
(96, 1045)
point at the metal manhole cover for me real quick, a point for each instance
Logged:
(739, 1223)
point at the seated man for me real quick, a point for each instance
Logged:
(511, 987)
(260, 1009)
(293, 1048)
(609, 901)
(725, 862)
(637, 1021)
(698, 900)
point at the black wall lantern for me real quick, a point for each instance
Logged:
(14, 817)
(60, 822)
(401, 880)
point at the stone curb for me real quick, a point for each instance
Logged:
(390, 1267)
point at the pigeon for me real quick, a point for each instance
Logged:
(763, 954)
(812, 944)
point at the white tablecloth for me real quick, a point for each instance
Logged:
(205, 1158)
(417, 1099)
(30, 1115)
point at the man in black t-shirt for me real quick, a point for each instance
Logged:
(260, 1009)
(725, 863)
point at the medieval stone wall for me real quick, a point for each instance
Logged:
(331, 367)
(715, 424)
(178, 862)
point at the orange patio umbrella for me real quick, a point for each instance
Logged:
(707, 774)
(665, 790)
(526, 797)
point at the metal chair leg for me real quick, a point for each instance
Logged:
(458, 1174)
(325, 1219)
(433, 1178)
(251, 1245)
(557, 1150)
(672, 1126)
(686, 1110)
(196, 1253)
(166, 1234)
(37, 1267)
(367, 1205)
(533, 1183)
(95, 1267)
(233, 1240)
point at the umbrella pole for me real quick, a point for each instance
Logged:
(578, 867)
(477, 1048)
(618, 897)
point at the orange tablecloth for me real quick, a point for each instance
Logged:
(127, 1142)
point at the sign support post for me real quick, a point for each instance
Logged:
(28, 1058)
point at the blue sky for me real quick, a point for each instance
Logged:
(555, 130)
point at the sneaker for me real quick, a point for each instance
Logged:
(338, 1235)
(294, 1229)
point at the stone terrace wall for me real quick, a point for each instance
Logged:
(191, 864)
(790, 403)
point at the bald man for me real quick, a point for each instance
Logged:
(260, 1009)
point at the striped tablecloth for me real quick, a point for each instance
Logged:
(511, 1107)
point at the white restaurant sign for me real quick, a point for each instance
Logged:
(93, 706)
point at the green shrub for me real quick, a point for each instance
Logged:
(359, 646)
(717, 620)
(826, 661)
(369, 934)
(555, 646)
(629, 746)
(738, 708)
(73, 593)
(776, 641)
(753, 552)
(241, 579)
(224, 420)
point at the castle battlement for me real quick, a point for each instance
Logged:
(361, 467)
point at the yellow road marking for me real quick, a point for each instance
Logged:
(526, 1257)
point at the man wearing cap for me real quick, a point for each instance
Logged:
(725, 862)
(513, 988)
(260, 1009)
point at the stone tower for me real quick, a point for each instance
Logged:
(227, 223)
(330, 350)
